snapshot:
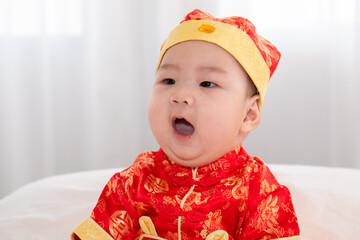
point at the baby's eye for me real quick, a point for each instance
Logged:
(169, 81)
(207, 84)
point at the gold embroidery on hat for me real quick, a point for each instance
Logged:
(206, 28)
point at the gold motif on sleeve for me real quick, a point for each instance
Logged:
(112, 185)
(155, 185)
(101, 205)
(287, 208)
(120, 224)
(266, 188)
(144, 160)
(267, 213)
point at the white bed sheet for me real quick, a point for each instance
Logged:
(326, 201)
(52, 207)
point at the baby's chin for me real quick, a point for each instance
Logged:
(191, 163)
(193, 158)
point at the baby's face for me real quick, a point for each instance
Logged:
(198, 103)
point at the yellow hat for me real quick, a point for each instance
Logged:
(236, 35)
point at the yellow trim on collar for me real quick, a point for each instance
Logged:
(230, 38)
(90, 230)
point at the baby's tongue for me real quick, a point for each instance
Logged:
(183, 127)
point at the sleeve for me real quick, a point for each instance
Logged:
(114, 216)
(270, 213)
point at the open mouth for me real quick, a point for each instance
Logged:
(183, 127)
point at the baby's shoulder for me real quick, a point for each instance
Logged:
(254, 165)
(255, 169)
(143, 163)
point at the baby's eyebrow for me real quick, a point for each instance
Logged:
(212, 69)
(205, 68)
(166, 66)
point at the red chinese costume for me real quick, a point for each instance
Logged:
(235, 197)
(237, 194)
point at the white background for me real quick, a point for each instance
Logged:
(75, 77)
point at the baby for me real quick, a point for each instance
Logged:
(201, 184)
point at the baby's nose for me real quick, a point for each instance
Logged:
(182, 96)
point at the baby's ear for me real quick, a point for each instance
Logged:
(253, 114)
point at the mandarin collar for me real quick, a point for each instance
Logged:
(206, 175)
